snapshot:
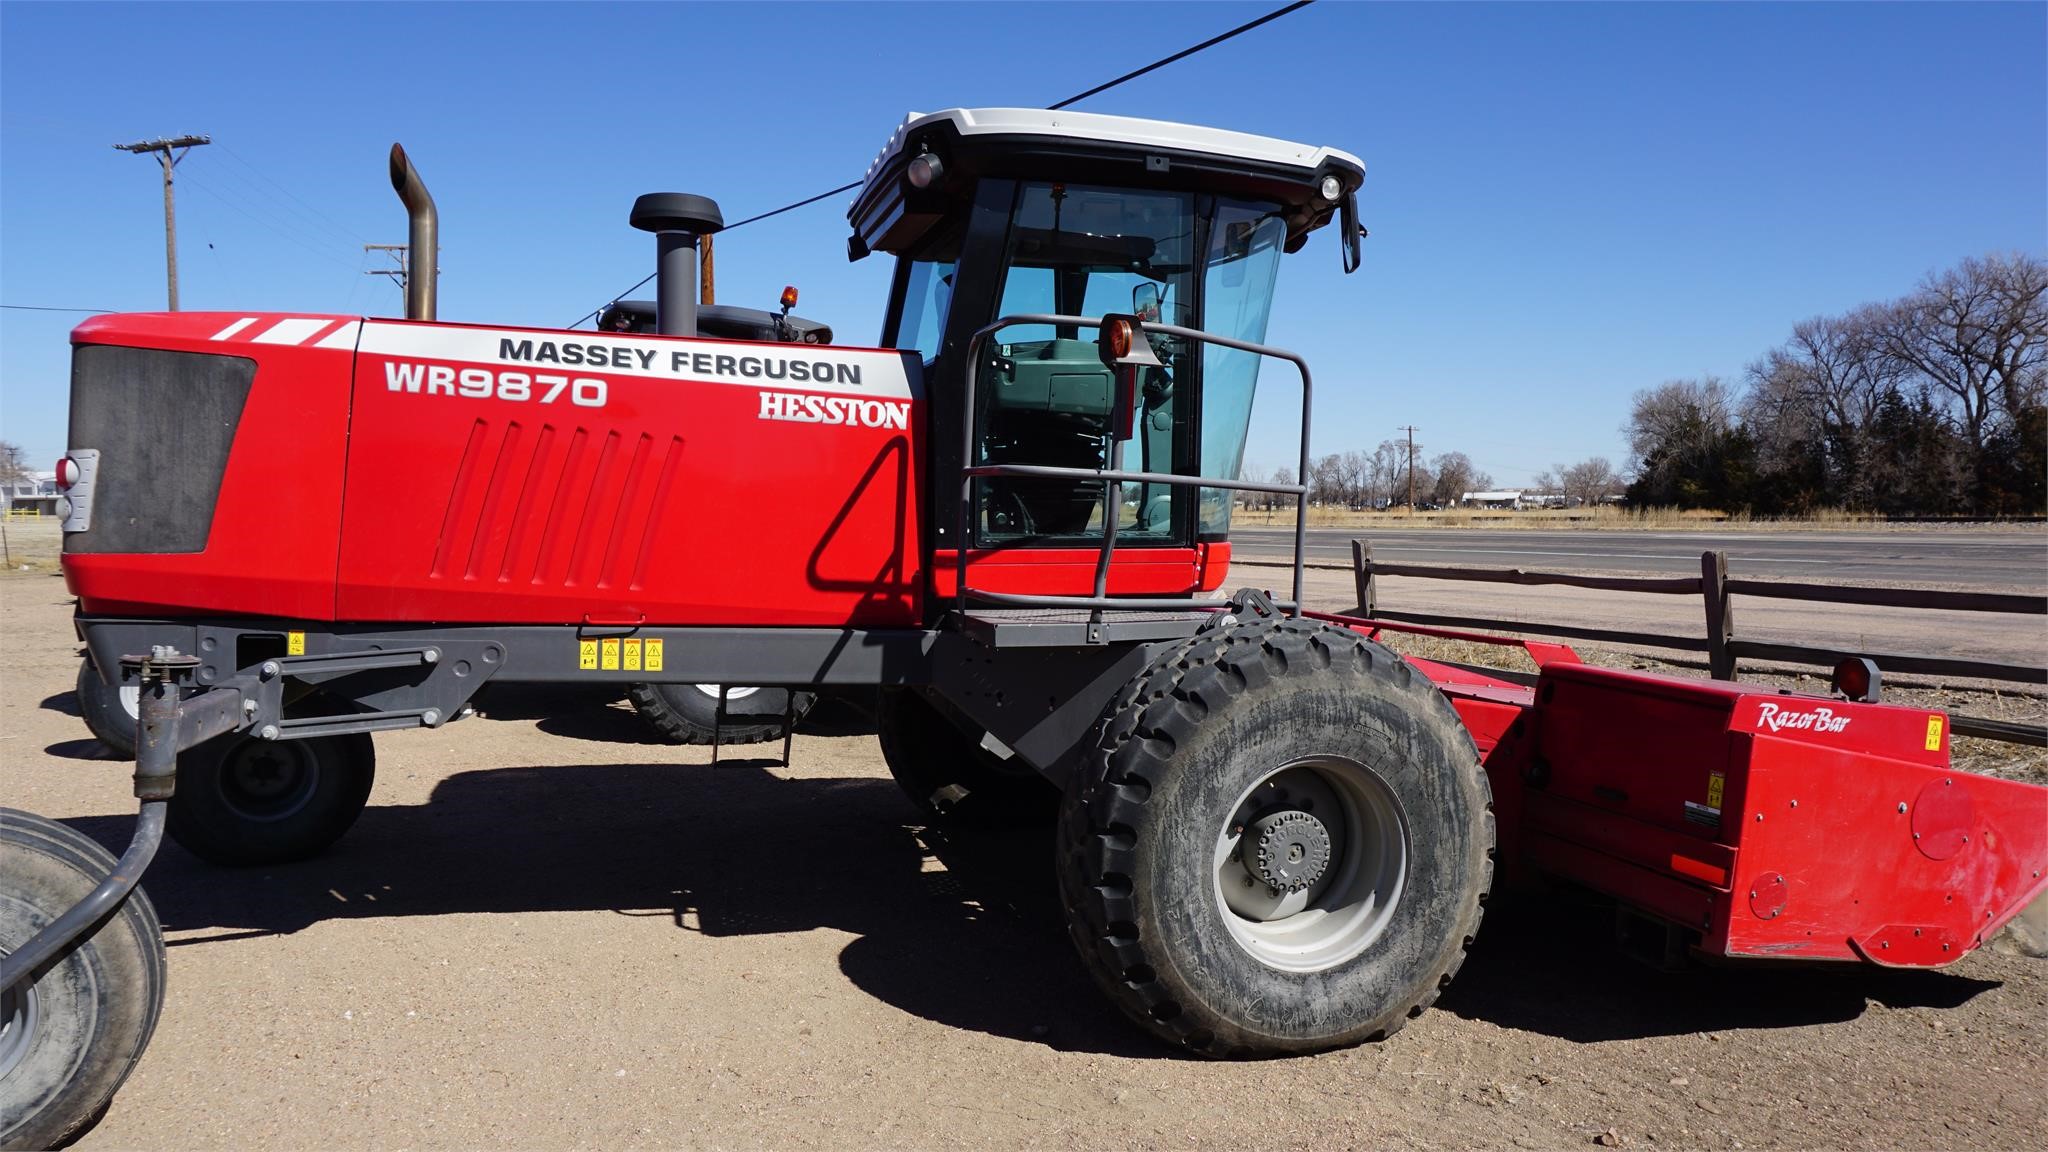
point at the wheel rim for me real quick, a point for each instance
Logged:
(735, 693)
(264, 780)
(1310, 863)
(20, 1017)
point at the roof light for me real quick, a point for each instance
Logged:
(924, 171)
(1331, 188)
(788, 297)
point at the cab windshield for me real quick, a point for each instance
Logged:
(1044, 395)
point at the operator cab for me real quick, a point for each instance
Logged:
(993, 213)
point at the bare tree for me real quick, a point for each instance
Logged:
(1455, 476)
(1590, 481)
(13, 463)
(1816, 397)
(1977, 333)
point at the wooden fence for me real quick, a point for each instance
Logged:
(1722, 648)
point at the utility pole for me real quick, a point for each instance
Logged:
(398, 253)
(707, 280)
(164, 154)
(1410, 429)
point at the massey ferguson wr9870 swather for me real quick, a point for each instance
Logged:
(1275, 836)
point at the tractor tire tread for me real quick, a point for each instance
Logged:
(1160, 708)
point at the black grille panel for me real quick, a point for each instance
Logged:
(163, 423)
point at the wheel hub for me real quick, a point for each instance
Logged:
(1291, 850)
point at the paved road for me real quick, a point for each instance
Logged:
(2005, 558)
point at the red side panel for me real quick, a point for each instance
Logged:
(271, 548)
(513, 476)
(1777, 826)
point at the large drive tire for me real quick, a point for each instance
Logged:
(1363, 789)
(110, 710)
(69, 1039)
(688, 713)
(243, 801)
(949, 775)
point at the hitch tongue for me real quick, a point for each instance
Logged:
(164, 674)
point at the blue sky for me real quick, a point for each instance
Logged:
(1567, 202)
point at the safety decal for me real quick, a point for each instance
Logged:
(1934, 733)
(586, 655)
(653, 660)
(295, 643)
(1709, 814)
(632, 655)
(608, 654)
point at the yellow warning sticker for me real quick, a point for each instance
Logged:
(1934, 733)
(1717, 782)
(632, 655)
(586, 655)
(295, 643)
(608, 658)
(653, 661)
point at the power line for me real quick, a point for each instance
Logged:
(1240, 30)
(311, 213)
(1162, 62)
(45, 308)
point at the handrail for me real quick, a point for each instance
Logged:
(1114, 475)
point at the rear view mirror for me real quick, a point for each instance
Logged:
(1349, 232)
(1145, 302)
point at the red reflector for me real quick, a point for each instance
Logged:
(67, 472)
(1699, 870)
(1119, 338)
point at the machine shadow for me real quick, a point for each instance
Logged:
(726, 851)
(978, 944)
(1548, 963)
(63, 702)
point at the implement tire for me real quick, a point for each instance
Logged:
(1283, 843)
(688, 713)
(110, 710)
(949, 775)
(242, 801)
(69, 1039)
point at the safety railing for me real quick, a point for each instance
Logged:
(1111, 478)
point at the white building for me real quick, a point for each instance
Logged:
(1503, 499)
(32, 495)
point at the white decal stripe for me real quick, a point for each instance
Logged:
(231, 329)
(293, 331)
(882, 375)
(342, 337)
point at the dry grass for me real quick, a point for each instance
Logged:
(31, 545)
(1663, 519)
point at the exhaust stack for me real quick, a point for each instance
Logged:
(677, 219)
(423, 239)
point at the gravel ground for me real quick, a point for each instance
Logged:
(546, 932)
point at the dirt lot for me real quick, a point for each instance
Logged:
(547, 933)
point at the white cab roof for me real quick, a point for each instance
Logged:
(1115, 129)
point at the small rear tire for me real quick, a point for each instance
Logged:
(688, 713)
(69, 1039)
(1283, 843)
(243, 801)
(949, 774)
(110, 710)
